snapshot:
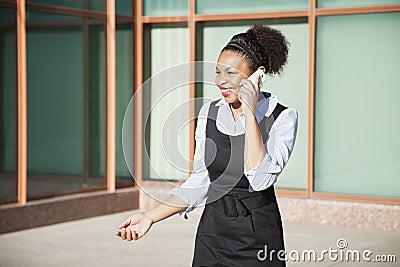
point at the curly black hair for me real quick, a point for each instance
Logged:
(261, 46)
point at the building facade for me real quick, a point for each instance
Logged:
(82, 111)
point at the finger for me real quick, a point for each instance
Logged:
(246, 83)
(128, 234)
(247, 91)
(254, 80)
(251, 86)
(244, 96)
(138, 232)
(135, 219)
(243, 84)
(123, 233)
(138, 235)
(118, 233)
(125, 223)
(135, 235)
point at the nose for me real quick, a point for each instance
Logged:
(220, 79)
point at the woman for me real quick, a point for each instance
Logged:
(243, 142)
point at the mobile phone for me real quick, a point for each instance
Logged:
(258, 73)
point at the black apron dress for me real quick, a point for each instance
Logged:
(239, 226)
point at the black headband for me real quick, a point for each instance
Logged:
(244, 49)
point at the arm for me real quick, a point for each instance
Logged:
(278, 148)
(183, 199)
(137, 225)
(254, 151)
(169, 207)
(264, 162)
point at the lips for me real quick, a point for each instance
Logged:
(225, 91)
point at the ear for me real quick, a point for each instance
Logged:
(264, 69)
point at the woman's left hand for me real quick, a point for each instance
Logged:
(248, 96)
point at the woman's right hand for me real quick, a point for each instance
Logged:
(134, 227)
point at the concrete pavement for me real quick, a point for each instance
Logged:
(92, 242)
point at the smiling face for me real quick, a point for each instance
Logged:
(230, 70)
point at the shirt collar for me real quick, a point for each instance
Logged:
(265, 106)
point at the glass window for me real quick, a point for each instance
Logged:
(95, 5)
(166, 47)
(356, 104)
(236, 6)
(124, 7)
(95, 102)
(347, 3)
(124, 62)
(8, 118)
(291, 88)
(165, 7)
(8, 2)
(66, 107)
(38, 16)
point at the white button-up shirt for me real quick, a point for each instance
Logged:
(278, 147)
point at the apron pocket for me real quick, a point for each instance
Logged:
(267, 225)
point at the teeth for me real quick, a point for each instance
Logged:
(226, 90)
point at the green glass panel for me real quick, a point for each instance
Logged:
(95, 5)
(356, 104)
(166, 47)
(237, 6)
(65, 71)
(347, 3)
(32, 15)
(55, 100)
(165, 7)
(292, 91)
(124, 7)
(291, 88)
(124, 49)
(96, 101)
(8, 117)
(7, 15)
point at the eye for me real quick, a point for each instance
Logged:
(231, 73)
(217, 72)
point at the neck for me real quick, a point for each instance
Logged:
(236, 109)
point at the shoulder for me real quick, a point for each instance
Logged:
(289, 111)
(206, 106)
(202, 119)
(204, 109)
(288, 116)
(274, 104)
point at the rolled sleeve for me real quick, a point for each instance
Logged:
(278, 148)
(191, 193)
